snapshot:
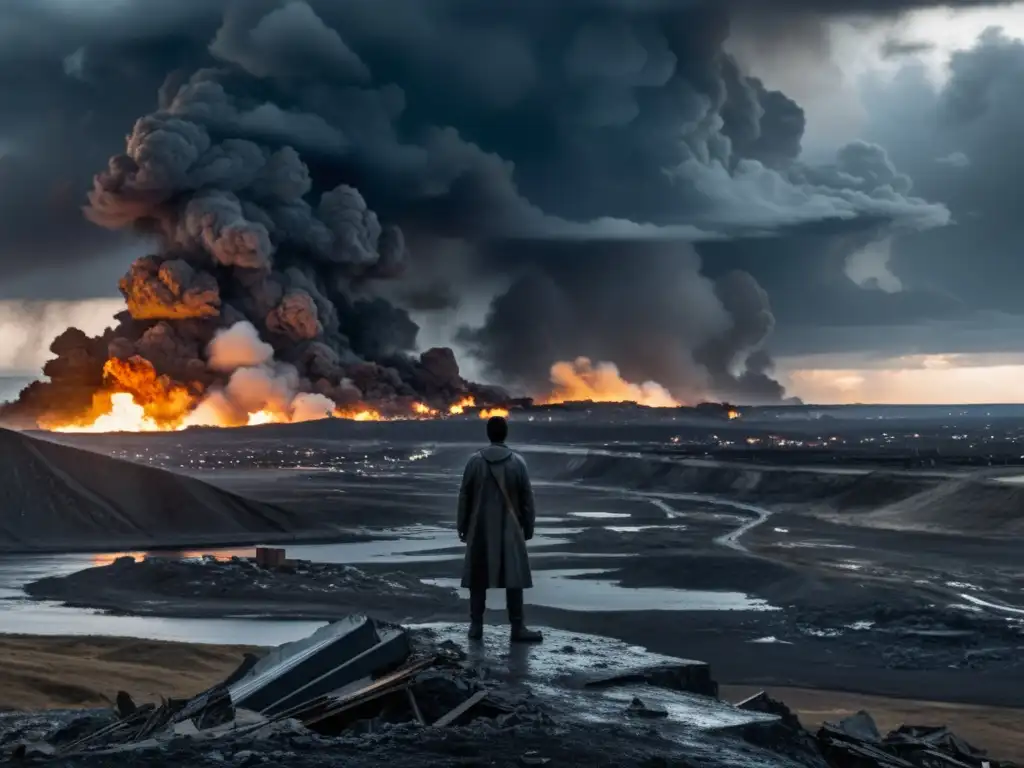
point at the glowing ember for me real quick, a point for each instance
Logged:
(125, 415)
(733, 414)
(487, 413)
(582, 381)
(457, 409)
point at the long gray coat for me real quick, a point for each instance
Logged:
(496, 537)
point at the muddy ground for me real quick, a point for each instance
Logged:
(877, 608)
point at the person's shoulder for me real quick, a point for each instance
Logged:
(517, 457)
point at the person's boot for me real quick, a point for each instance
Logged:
(477, 606)
(520, 632)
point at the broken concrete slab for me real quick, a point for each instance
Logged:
(860, 725)
(331, 658)
(573, 658)
(684, 711)
(595, 678)
(685, 675)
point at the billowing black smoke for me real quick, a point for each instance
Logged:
(578, 152)
(647, 306)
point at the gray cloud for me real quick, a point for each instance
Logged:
(958, 143)
(559, 126)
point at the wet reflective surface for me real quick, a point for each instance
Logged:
(566, 590)
(555, 670)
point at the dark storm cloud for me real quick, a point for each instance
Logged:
(487, 122)
(959, 143)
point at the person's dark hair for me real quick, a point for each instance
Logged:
(497, 429)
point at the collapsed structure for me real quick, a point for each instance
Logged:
(360, 677)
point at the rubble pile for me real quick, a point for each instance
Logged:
(855, 741)
(362, 692)
(354, 676)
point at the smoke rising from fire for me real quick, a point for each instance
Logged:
(237, 347)
(569, 147)
(582, 380)
(648, 308)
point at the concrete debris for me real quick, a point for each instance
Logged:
(856, 742)
(360, 685)
(337, 657)
(689, 676)
(356, 675)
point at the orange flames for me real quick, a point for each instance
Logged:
(358, 414)
(457, 409)
(583, 381)
(422, 409)
(488, 413)
(136, 399)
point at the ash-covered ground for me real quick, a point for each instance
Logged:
(777, 569)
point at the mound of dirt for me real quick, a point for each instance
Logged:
(55, 497)
(976, 507)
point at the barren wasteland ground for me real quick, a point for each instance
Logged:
(835, 586)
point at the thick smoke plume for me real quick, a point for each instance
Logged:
(580, 152)
(257, 280)
(648, 308)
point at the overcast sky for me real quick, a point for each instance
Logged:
(864, 170)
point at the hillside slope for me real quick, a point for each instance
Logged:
(55, 497)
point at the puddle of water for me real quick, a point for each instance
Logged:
(813, 545)
(860, 626)
(781, 530)
(992, 606)
(422, 547)
(814, 632)
(561, 589)
(963, 585)
(600, 515)
(638, 528)
(44, 618)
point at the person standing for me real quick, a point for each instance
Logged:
(496, 518)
